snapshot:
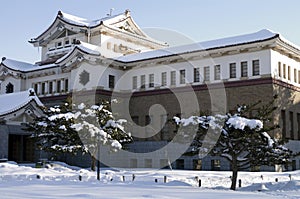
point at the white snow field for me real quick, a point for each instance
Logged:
(62, 181)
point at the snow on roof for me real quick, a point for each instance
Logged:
(14, 101)
(206, 45)
(89, 23)
(23, 66)
(85, 47)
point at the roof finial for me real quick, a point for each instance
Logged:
(3, 58)
(127, 12)
(60, 14)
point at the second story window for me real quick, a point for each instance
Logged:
(58, 86)
(196, 74)
(151, 80)
(217, 72)
(279, 69)
(232, 70)
(143, 81)
(173, 78)
(43, 88)
(111, 81)
(164, 78)
(206, 73)
(134, 82)
(289, 73)
(284, 70)
(244, 69)
(35, 86)
(66, 85)
(182, 76)
(255, 67)
(50, 87)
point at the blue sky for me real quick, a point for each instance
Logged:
(198, 20)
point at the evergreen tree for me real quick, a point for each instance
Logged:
(71, 129)
(244, 142)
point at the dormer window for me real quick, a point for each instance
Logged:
(67, 42)
(9, 88)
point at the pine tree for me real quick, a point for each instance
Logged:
(241, 139)
(80, 128)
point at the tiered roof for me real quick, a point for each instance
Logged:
(12, 102)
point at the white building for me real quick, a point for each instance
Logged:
(113, 57)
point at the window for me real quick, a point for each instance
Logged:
(197, 164)
(147, 120)
(298, 76)
(50, 87)
(255, 67)
(111, 81)
(148, 163)
(298, 124)
(217, 72)
(66, 85)
(173, 78)
(283, 124)
(59, 44)
(182, 76)
(180, 164)
(43, 88)
(108, 45)
(151, 80)
(244, 69)
(134, 82)
(232, 70)
(164, 78)
(143, 81)
(284, 71)
(9, 88)
(116, 48)
(279, 69)
(35, 86)
(215, 165)
(206, 73)
(196, 74)
(291, 118)
(295, 75)
(58, 86)
(67, 42)
(289, 73)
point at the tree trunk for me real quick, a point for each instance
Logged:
(93, 163)
(234, 173)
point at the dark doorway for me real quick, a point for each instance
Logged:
(20, 148)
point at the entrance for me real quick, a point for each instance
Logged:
(20, 148)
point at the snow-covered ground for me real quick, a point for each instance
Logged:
(62, 181)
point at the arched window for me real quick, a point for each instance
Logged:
(9, 88)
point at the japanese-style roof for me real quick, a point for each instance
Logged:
(259, 36)
(82, 47)
(19, 66)
(78, 21)
(122, 22)
(12, 102)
